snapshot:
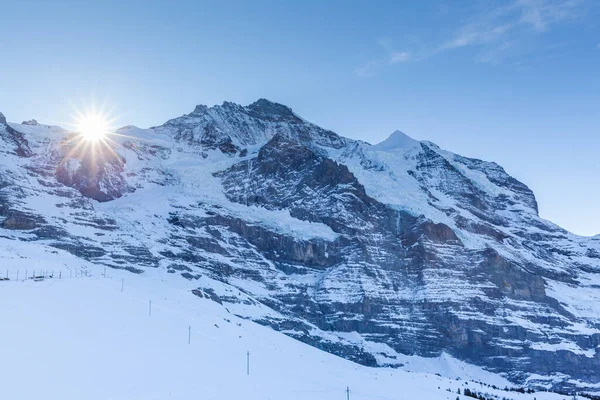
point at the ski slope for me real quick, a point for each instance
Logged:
(84, 338)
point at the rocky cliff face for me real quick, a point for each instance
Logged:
(95, 169)
(369, 252)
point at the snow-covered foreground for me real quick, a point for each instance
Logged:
(86, 339)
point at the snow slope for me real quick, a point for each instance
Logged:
(77, 338)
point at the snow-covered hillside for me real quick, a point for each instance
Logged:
(374, 253)
(83, 337)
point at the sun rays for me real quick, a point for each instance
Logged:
(94, 140)
(93, 127)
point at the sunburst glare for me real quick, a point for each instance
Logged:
(93, 126)
(92, 135)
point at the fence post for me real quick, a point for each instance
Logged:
(247, 363)
(150, 308)
(189, 334)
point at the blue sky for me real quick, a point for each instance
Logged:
(513, 81)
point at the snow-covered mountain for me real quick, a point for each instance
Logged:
(370, 252)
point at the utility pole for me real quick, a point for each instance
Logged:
(247, 363)
(347, 393)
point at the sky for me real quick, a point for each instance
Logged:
(513, 81)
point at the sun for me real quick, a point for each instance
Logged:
(93, 127)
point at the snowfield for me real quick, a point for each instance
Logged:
(84, 338)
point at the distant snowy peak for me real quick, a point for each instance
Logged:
(38, 133)
(126, 129)
(269, 110)
(231, 127)
(261, 109)
(2, 119)
(397, 140)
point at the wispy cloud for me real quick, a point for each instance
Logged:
(519, 17)
(391, 56)
(496, 32)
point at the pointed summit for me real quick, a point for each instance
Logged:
(397, 140)
(263, 108)
(2, 119)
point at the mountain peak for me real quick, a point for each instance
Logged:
(200, 109)
(396, 140)
(264, 108)
(2, 119)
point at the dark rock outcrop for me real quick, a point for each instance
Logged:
(16, 220)
(96, 172)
